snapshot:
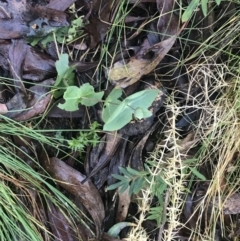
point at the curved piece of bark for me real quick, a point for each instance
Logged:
(168, 23)
(16, 54)
(59, 224)
(13, 28)
(38, 65)
(71, 179)
(37, 104)
(60, 5)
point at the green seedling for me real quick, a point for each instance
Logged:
(85, 138)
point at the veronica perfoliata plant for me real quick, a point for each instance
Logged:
(116, 113)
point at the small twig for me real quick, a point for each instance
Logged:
(166, 200)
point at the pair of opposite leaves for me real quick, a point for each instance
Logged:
(116, 113)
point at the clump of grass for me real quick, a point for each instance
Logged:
(220, 151)
(25, 192)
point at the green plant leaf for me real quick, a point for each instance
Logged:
(84, 95)
(133, 171)
(62, 65)
(131, 187)
(89, 97)
(124, 187)
(34, 40)
(142, 113)
(119, 177)
(218, 2)
(189, 11)
(65, 76)
(205, 7)
(120, 117)
(138, 113)
(111, 102)
(122, 114)
(139, 184)
(63, 82)
(190, 160)
(197, 174)
(116, 185)
(60, 35)
(117, 228)
(155, 213)
(73, 31)
(142, 99)
(125, 172)
(72, 99)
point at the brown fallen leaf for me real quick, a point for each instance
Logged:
(38, 65)
(38, 103)
(231, 204)
(124, 74)
(59, 224)
(99, 24)
(17, 14)
(100, 158)
(124, 200)
(13, 28)
(168, 22)
(16, 54)
(37, 109)
(136, 160)
(60, 5)
(13, 9)
(54, 17)
(71, 179)
(83, 66)
(11, 23)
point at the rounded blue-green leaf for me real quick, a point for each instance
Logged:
(138, 113)
(142, 113)
(111, 103)
(120, 117)
(141, 99)
(72, 97)
(62, 64)
(117, 228)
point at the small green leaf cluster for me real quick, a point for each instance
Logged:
(138, 180)
(193, 5)
(116, 113)
(192, 169)
(158, 190)
(69, 33)
(74, 30)
(131, 178)
(85, 138)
